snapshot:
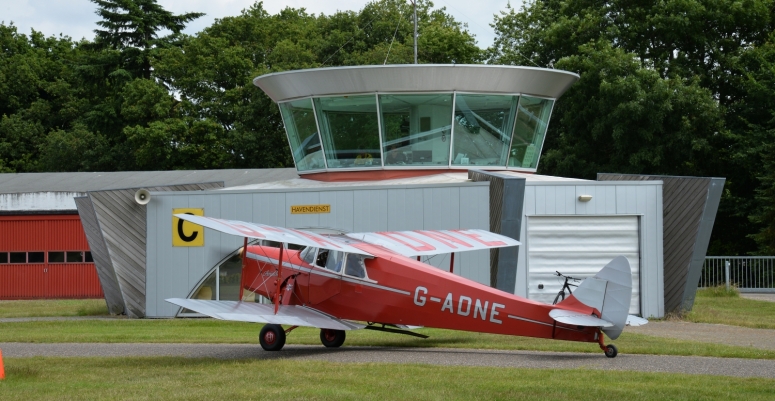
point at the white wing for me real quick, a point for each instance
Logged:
(290, 315)
(434, 242)
(272, 233)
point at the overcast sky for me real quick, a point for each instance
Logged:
(76, 18)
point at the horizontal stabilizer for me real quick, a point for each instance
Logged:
(578, 318)
(289, 315)
(635, 321)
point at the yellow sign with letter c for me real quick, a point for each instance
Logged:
(185, 233)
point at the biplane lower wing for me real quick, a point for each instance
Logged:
(289, 315)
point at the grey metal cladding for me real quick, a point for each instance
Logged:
(689, 206)
(123, 226)
(101, 181)
(288, 85)
(507, 197)
(715, 190)
(99, 251)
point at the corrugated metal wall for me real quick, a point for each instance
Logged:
(578, 246)
(44, 233)
(644, 199)
(174, 271)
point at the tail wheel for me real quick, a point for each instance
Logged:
(611, 351)
(272, 337)
(332, 338)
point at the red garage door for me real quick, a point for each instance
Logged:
(46, 257)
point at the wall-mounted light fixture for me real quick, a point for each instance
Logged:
(585, 198)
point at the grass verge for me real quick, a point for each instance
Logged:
(717, 305)
(53, 307)
(213, 331)
(167, 378)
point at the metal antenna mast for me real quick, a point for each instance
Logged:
(414, 4)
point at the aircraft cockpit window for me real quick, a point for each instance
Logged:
(322, 258)
(355, 266)
(335, 261)
(308, 254)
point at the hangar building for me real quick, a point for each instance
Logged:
(410, 147)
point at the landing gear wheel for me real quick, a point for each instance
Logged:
(332, 338)
(611, 351)
(272, 337)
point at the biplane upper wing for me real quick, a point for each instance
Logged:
(434, 242)
(271, 233)
(290, 315)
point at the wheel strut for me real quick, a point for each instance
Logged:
(610, 350)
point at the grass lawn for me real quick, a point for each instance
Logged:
(53, 307)
(214, 331)
(716, 305)
(186, 379)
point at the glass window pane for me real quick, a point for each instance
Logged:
(322, 258)
(302, 132)
(207, 289)
(229, 278)
(18, 257)
(334, 262)
(88, 258)
(355, 266)
(482, 129)
(350, 132)
(56, 257)
(3, 257)
(529, 131)
(36, 257)
(74, 257)
(308, 254)
(416, 129)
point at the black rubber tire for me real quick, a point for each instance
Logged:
(272, 337)
(332, 338)
(611, 351)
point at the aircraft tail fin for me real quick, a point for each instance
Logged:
(610, 292)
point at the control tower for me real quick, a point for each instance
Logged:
(385, 122)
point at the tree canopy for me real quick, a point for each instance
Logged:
(675, 87)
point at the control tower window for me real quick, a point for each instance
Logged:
(299, 120)
(482, 129)
(529, 130)
(350, 131)
(416, 129)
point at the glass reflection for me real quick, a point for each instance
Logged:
(529, 131)
(300, 126)
(350, 131)
(229, 277)
(207, 289)
(416, 129)
(482, 129)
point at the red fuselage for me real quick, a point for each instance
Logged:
(400, 290)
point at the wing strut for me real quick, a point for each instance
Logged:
(277, 282)
(244, 262)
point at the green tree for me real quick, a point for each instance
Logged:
(38, 94)
(697, 49)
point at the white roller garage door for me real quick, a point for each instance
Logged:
(579, 246)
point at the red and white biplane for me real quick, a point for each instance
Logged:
(339, 282)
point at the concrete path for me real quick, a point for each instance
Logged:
(769, 297)
(709, 333)
(432, 356)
